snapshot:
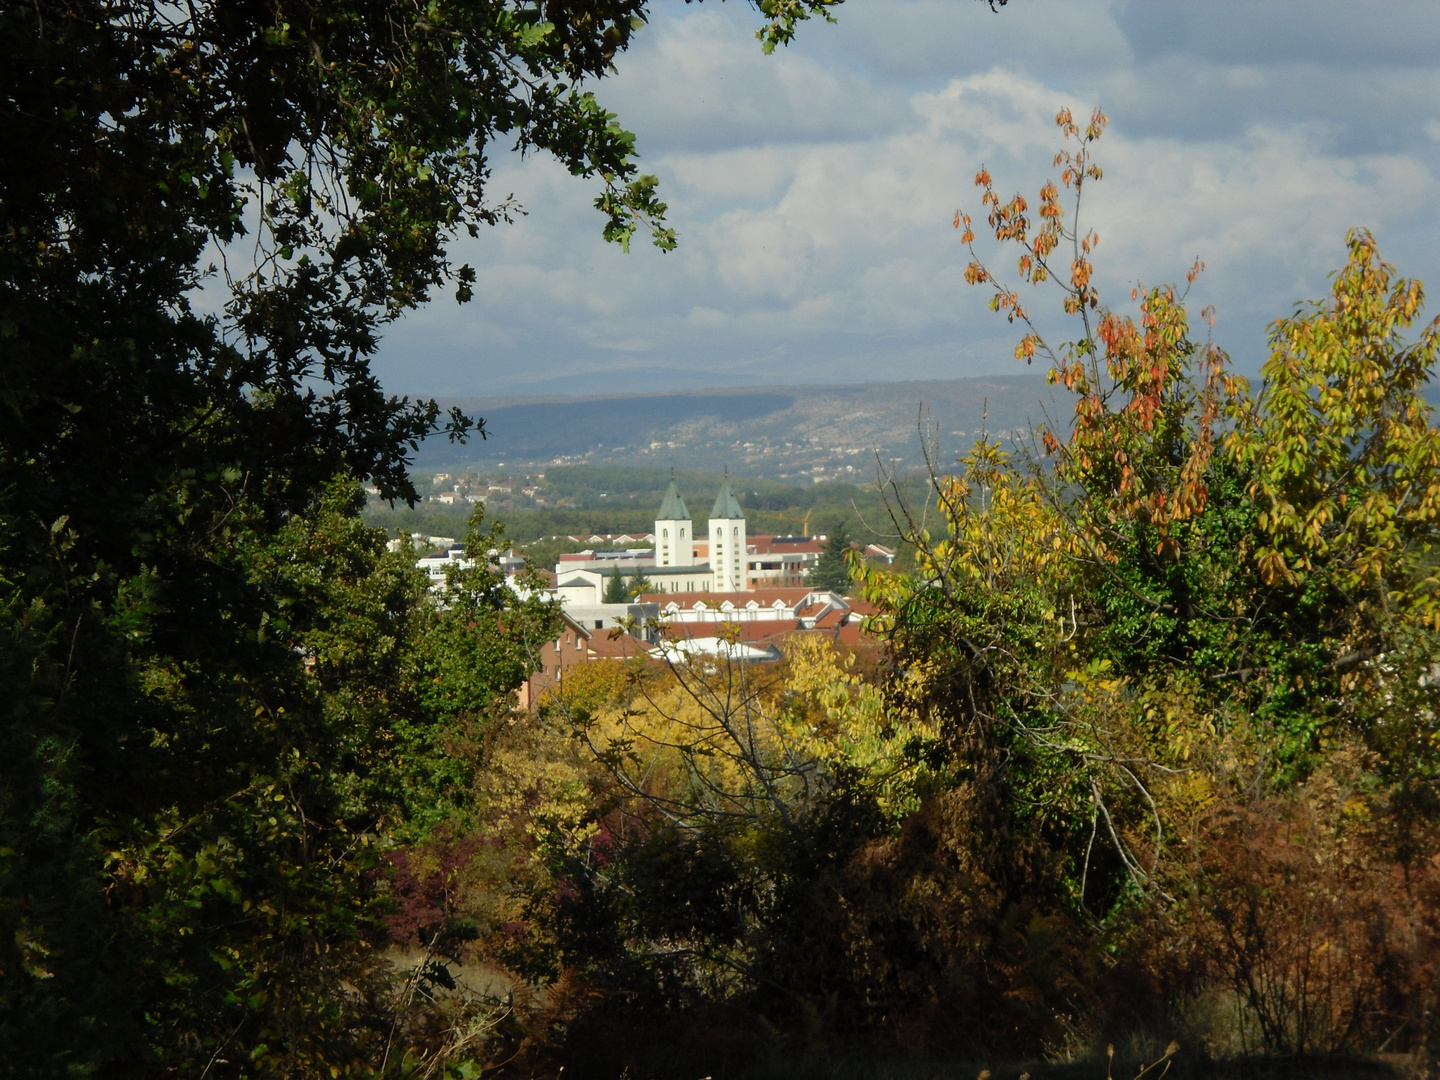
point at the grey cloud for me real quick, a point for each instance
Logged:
(1351, 111)
(1339, 34)
(917, 43)
(812, 191)
(1201, 69)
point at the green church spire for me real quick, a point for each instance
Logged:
(673, 508)
(725, 504)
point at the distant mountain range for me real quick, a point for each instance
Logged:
(790, 433)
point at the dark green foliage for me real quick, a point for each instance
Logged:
(832, 569)
(616, 591)
(631, 497)
(215, 709)
(192, 870)
(641, 584)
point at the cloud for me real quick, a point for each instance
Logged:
(813, 190)
(702, 82)
(1337, 34)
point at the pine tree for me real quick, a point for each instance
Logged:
(615, 589)
(831, 571)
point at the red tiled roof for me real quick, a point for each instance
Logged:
(860, 607)
(767, 545)
(774, 631)
(622, 646)
(852, 636)
(763, 597)
(744, 631)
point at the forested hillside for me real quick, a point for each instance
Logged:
(586, 499)
(784, 433)
(1136, 767)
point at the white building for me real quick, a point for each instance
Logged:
(438, 563)
(674, 532)
(750, 625)
(782, 562)
(676, 570)
(582, 577)
(730, 561)
(800, 608)
(679, 579)
(728, 548)
(684, 650)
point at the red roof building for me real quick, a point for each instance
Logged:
(781, 561)
(570, 647)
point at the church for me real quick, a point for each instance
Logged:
(729, 560)
(678, 568)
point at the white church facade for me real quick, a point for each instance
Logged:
(729, 560)
(676, 569)
(728, 548)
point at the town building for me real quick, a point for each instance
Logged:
(582, 576)
(727, 560)
(728, 547)
(614, 539)
(613, 616)
(420, 540)
(726, 595)
(879, 553)
(570, 647)
(626, 559)
(674, 532)
(800, 607)
(751, 625)
(437, 564)
(781, 562)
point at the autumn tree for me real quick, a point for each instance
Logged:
(1189, 606)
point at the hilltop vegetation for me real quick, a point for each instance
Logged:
(784, 433)
(585, 499)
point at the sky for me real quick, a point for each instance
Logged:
(814, 189)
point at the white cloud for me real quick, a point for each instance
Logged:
(813, 190)
(701, 81)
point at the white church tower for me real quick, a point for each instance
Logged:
(674, 532)
(727, 542)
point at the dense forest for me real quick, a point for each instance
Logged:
(584, 499)
(1141, 766)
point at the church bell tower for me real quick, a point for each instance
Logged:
(728, 548)
(674, 531)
